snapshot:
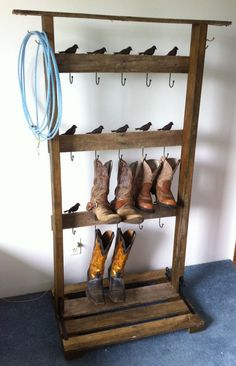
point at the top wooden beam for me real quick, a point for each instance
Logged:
(118, 17)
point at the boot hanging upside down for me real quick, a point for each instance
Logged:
(123, 245)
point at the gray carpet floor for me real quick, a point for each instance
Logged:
(29, 335)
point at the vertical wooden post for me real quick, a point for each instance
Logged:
(55, 163)
(192, 104)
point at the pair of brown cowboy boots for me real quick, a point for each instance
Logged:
(124, 242)
(135, 183)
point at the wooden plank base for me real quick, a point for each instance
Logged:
(152, 307)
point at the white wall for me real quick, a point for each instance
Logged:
(26, 263)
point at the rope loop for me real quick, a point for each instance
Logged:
(48, 126)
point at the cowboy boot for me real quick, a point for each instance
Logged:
(122, 249)
(124, 194)
(94, 290)
(147, 175)
(99, 204)
(164, 195)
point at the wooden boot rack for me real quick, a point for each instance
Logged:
(154, 302)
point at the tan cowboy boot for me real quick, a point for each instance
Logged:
(164, 195)
(122, 249)
(147, 175)
(99, 204)
(94, 290)
(123, 203)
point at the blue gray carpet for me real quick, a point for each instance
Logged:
(29, 336)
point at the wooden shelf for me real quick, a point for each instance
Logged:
(118, 141)
(80, 219)
(118, 17)
(122, 63)
(149, 309)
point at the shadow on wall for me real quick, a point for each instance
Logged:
(30, 278)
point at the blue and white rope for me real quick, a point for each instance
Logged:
(47, 128)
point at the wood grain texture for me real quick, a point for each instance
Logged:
(234, 258)
(125, 317)
(55, 165)
(121, 63)
(119, 141)
(81, 219)
(132, 332)
(118, 18)
(132, 278)
(192, 106)
(135, 296)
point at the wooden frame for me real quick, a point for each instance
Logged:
(155, 303)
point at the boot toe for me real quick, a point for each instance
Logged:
(94, 291)
(117, 290)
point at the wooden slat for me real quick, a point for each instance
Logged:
(81, 219)
(125, 317)
(134, 296)
(121, 63)
(119, 141)
(117, 17)
(234, 258)
(144, 277)
(132, 332)
(192, 106)
(55, 165)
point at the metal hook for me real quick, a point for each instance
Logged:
(144, 155)
(209, 40)
(96, 155)
(140, 227)
(73, 231)
(72, 156)
(123, 80)
(71, 78)
(171, 84)
(164, 152)
(148, 82)
(160, 225)
(97, 79)
(120, 156)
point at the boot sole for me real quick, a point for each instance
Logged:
(134, 220)
(112, 220)
(166, 206)
(146, 210)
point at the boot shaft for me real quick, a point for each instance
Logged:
(102, 173)
(100, 251)
(124, 242)
(124, 189)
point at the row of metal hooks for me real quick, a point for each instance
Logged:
(140, 226)
(148, 81)
(123, 80)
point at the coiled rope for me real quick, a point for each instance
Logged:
(47, 128)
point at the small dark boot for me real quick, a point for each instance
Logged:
(122, 249)
(102, 245)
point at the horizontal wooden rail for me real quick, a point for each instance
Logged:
(118, 17)
(121, 63)
(81, 219)
(118, 141)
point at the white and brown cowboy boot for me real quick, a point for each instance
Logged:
(99, 204)
(123, 203)
(164, 195)
(148, 172)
